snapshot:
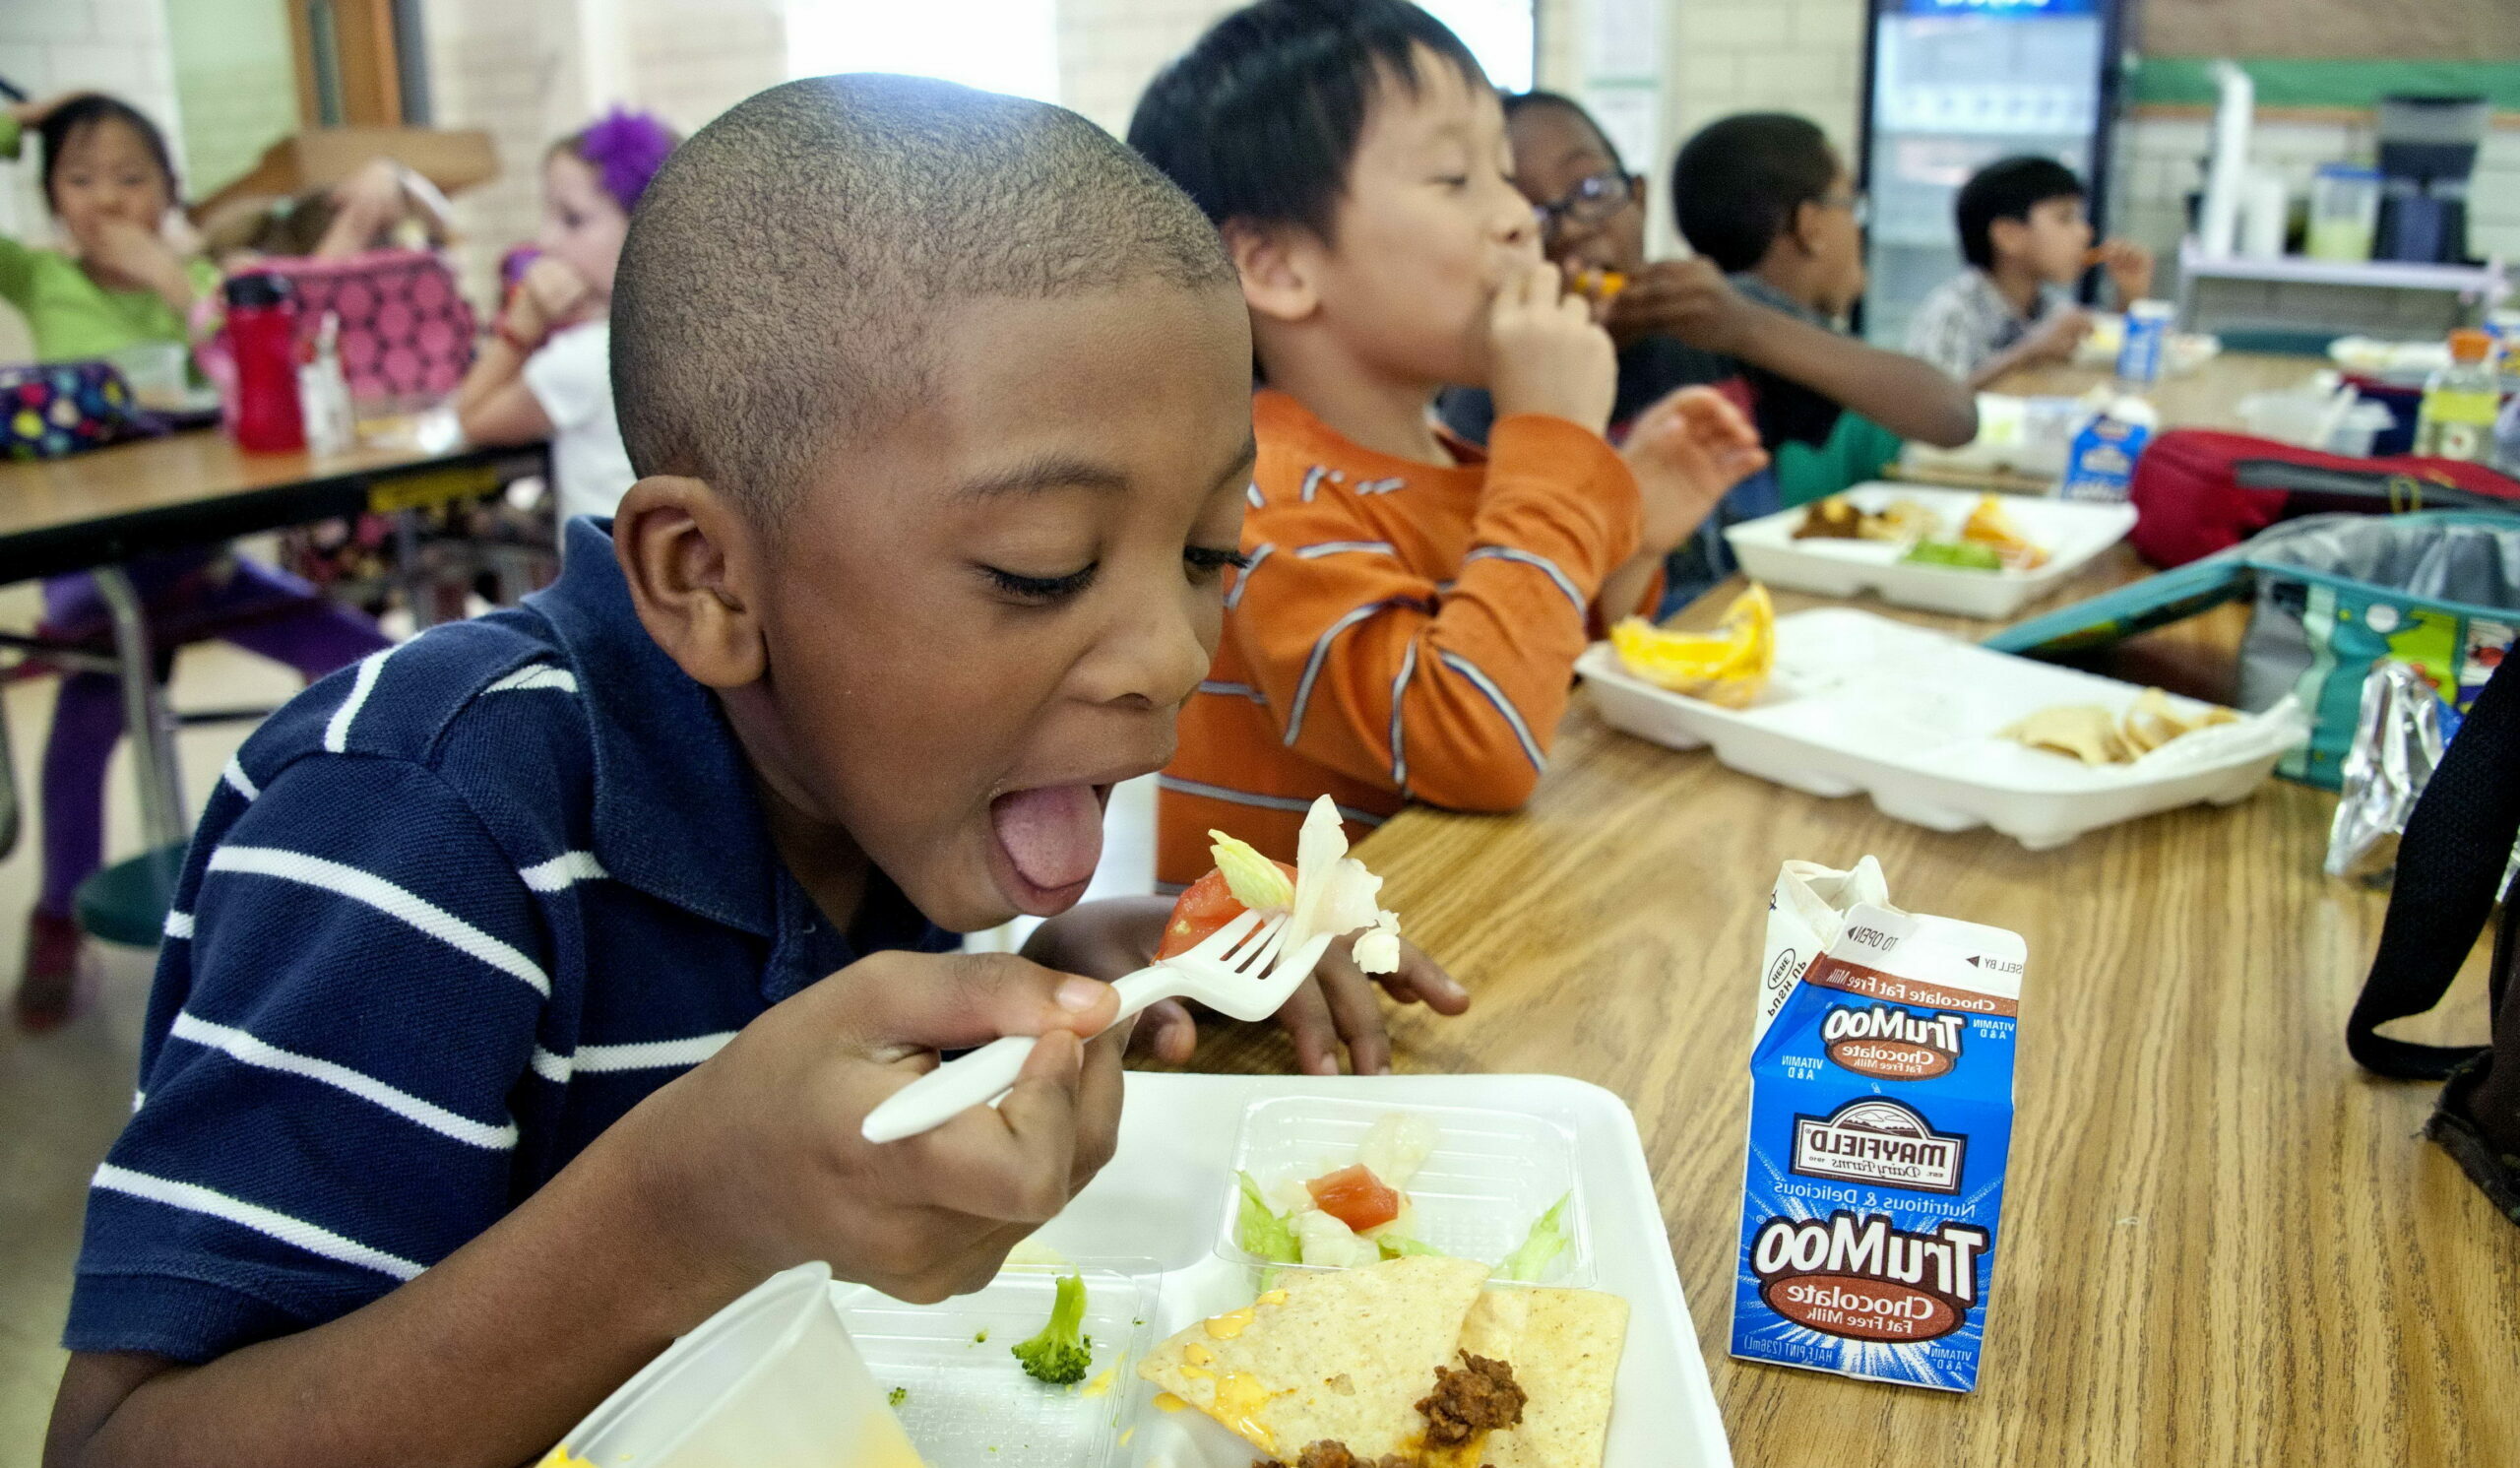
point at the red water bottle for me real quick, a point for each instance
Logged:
(262, 338)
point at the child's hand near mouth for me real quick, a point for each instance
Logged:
(753, 1162)
(1546, 354)
(1336, 1007)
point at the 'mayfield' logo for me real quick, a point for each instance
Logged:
(1860, 1278)
(1890, 1044)
(1875, 1141)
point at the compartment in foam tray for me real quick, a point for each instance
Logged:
(2073, 534)
(1860, 703)
(1491, 1176)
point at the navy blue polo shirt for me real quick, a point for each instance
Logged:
(449, 915)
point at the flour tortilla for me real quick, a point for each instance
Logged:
(1345, 1356)
(1564, 1345)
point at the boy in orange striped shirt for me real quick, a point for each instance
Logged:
(1411, 611)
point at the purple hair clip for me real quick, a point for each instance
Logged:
(627, 148)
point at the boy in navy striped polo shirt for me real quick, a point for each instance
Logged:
(493, 1043)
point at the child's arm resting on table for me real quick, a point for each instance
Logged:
(254, 1288)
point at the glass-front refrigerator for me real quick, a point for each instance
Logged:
(1953, 85)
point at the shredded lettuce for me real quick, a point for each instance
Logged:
(1260, 1231)
(1539, 1249)
(1335, 893)
(1397, 1246)
(1254, 880)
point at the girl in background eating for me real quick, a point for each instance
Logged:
(546, 372)
(111, 184)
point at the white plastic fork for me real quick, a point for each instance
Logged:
(1238, 971)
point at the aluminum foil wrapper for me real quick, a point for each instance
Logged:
(2397, 743)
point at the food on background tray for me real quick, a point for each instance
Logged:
(1728, 668)
(1059, 1355)
(1958, 555)
(1325, 891)
(1838, 518)
(2097, 737)
(1991, 526)
(1408, 1360)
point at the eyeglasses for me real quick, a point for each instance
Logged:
(1858, 205)
(1592, 200)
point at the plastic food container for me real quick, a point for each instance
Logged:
(966, 1402)
(1860, 703)
(2074, 533)
(1490, 1176)
(771, 1382)
(2345, 212)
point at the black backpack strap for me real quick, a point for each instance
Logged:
(2450, 863)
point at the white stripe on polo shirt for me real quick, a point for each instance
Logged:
(387, 898)
(562, 871)
(640, 1054)
(536, 675)
(179, 924)
(336, 730)
(192, 1197)
(263, 1055)
(238, 781)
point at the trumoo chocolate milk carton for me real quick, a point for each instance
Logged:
(1880, 1116)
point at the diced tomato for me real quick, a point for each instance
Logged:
(1355, 1196)
(1204, 907)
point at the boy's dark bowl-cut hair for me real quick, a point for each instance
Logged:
(1519, 103)
(2007, 189)
(1259, 120)
(92, 109)
(777, 292)
(1735, 185)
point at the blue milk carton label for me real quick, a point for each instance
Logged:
(2100, 465)
(1880, 1116)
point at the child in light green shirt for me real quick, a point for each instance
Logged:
(108, 180)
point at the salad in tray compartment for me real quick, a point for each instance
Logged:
(1987, 538)
(1325, 891)
(1344, 1184)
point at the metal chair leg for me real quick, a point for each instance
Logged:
(144, 715)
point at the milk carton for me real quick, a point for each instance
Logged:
(1880, 1116)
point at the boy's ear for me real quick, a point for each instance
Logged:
(692, 563)
(1277, 264)
(2005, 236)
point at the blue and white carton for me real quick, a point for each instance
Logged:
(1881, 1107)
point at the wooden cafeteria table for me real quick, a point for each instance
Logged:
(2221, 1242)
(96, 510)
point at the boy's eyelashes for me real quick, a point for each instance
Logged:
(1205, 562)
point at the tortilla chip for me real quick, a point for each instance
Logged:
(1565, 1346)
(1345, 1355)
(2084, 731)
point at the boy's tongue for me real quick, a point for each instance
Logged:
(1053, 835)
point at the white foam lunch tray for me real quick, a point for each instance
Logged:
(2074, 533)
(1862, 703)
(1163, 1194)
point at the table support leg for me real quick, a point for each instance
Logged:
(144, 715)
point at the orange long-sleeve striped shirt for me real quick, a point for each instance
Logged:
(1404, 631)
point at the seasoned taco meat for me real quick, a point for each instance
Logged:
(1480, 1398)
(1334, 1456)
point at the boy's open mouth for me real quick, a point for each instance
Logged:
(1051, 836)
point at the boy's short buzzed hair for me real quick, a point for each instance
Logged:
(1735, 185)
(1259, 120)
(2007, 189)
(781, 274)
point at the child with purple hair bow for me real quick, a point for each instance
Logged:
(546, 371)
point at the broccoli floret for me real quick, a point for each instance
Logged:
(1058, 1355)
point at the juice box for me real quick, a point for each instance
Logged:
(1880, 1116)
